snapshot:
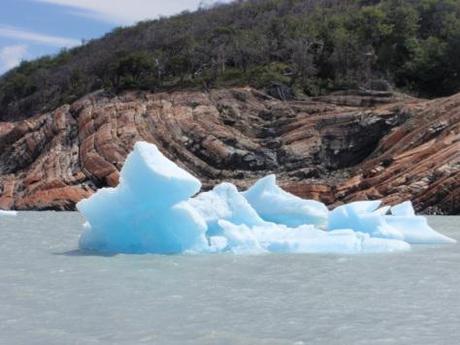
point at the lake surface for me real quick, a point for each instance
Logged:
(52, 294)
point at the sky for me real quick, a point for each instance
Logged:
(33, 28)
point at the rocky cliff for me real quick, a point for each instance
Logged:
(338, 148)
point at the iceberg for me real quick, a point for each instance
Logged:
(414, 229)
(8, 213)
(277, 238)
(275, 205)
(402, 224)
(157, 208)
(224, 202)
(146, 212)
(364, 217)
(403, 209)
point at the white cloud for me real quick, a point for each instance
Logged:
(127, 11)
(29, 36)
(11, 56)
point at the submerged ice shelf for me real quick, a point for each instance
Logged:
(156, 209)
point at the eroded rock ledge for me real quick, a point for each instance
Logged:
(336, 149)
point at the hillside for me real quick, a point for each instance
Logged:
(290, 48)
(336, 148)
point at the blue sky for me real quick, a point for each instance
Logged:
(32, 28)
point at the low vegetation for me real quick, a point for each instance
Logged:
(310, 47)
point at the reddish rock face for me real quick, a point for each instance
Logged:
(335, 149)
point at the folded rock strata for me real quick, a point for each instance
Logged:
(338, 148)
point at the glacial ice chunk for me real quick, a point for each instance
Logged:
(224, 202)
(414, 229)
(362, 216)
(156, 209)
(153, 178)
(402, 224)
(403, 209)
(240, 239)
(275, 205)
(8, 213)
(145, 213)
(276, 238)
(235, 227)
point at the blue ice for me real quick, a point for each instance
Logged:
(278, 206)
(224, 202)
(156, 208)
(402, 224)
(146, 212)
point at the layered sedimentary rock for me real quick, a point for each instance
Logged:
(336, 149)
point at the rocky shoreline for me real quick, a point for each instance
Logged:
(337, 148)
